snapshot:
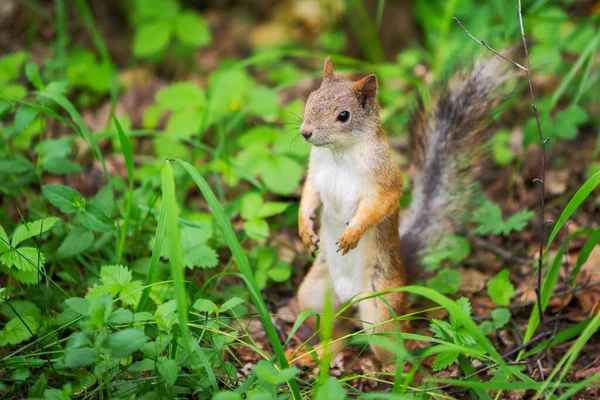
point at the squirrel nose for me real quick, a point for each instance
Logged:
(306, 134)
(305, 130)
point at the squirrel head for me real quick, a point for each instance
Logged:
(341, 112)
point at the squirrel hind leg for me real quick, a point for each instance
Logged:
(377, 318)
(312, 296)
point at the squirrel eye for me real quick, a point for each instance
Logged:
(343, 116)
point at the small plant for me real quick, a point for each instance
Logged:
(159, 24)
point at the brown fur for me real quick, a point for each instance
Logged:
(377, 209)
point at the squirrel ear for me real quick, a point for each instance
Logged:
(366, 88)
(327, 69)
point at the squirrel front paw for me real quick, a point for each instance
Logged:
(348, 241)
(308, 235)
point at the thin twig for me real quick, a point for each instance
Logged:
(484, 44)
(542, 180)
(499, 251)
(543, 142)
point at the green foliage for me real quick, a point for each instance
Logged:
(489, 217)
(446, 281)
(451, 247)
(501, 289)
(160, 24)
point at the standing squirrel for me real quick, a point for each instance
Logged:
(363, 246)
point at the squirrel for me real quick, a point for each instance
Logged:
(364, 247)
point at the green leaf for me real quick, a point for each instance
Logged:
(227, 396)
(464, 304)
(231, 304)
(10, 66)
(115, 278)
(257, 229)
(567, 122)
(490, 219)
(185, 123)
(95, 219)
(331, 390)
(15, 331)
(582, 194)
(452, 247)
(24, 116)
(61, 166)
(37, 390)
(500, 289)
(79, 305)
(281, 272)
(24, 258)
(444, 360)
(121, 316)
(181, 96)
(205, 305)
(81, 357)
(64, 198)
(503, 153)
(132, 292)
(123, 343)
(263, 102)
(76, 242)
(4, 241)
(100, 310)
(200, 255)
(105, 201)
(272, 208)
(151, 39)
(251, 204)
(501, 316)
(22, 307)
(282, 174)
(17, 165)
(31, 229)
(446, 281)
(192, 30)
(142, 366)
(169, 370)
(33, 74)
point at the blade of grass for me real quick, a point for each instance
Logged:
(380, 9)
(569, 358)
(569, 394)
(589, 51)
(88, 21)
(128, 154)
(582, 194)
(561, 337)
(547, 289)
(242, 262)
(83, 130)
(364, 30)
(584, 254)
(61, 36)
(174, 246)
(156, 250)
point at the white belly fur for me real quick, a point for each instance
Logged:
(340, 190)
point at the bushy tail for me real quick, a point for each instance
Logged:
(444, 145)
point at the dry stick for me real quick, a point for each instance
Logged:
(543, 142)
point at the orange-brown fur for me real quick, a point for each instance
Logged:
(377, 208)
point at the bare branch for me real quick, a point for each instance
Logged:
(543, 142)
